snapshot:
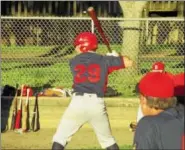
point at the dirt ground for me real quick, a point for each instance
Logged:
(120, 116)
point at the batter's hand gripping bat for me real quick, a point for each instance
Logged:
(18, 120)
(93, 16)
(25, 119)
(35, 120)
(14, 113)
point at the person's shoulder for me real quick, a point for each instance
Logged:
(154, 120)
(145, 121)
(169, 74)
(145, 126)
(180, 75)
(180, 108)
(159, 119)
(76, 57)
(72, 59)
(95, 56)
(111, 58)
(94, 53)
(173, 113)
(179, 78)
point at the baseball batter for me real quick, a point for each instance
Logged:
(90, 74)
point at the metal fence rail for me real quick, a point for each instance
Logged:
(36, 51)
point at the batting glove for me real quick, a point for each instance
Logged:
(114, 53)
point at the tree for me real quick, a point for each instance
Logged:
(131, 28)
(131, 40)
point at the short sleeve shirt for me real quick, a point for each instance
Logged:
(163, 131)
(90, 72)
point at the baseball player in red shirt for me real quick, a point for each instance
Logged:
(179, 92)
(90, 74)
(179, 87)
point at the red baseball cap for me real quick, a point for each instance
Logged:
(157, 84)
(179, 84)
(158, 66)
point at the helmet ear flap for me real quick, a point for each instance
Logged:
(87, 40)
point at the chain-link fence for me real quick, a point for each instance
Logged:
(36, 51)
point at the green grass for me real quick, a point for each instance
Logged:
(129, 147)
(120, 115)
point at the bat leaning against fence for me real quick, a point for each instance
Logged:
(14, 113)
(18, 120)
(35, 120)
(25, 119)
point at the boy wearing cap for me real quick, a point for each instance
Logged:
(162, 126)
(156, 67)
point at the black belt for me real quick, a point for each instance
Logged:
(79, 93)
(82, 94)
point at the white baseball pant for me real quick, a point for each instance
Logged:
(85, 109)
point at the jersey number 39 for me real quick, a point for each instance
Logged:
(89, 73)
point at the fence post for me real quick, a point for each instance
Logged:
(146, 32)
(92, 26)
(37, 36)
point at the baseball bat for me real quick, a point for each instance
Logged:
(12, 127)
(25, 119)
(18, 120)
(35, 119)
(97, 23)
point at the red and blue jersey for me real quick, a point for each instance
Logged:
(90, 72)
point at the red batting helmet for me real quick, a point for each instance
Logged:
(87, 40)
